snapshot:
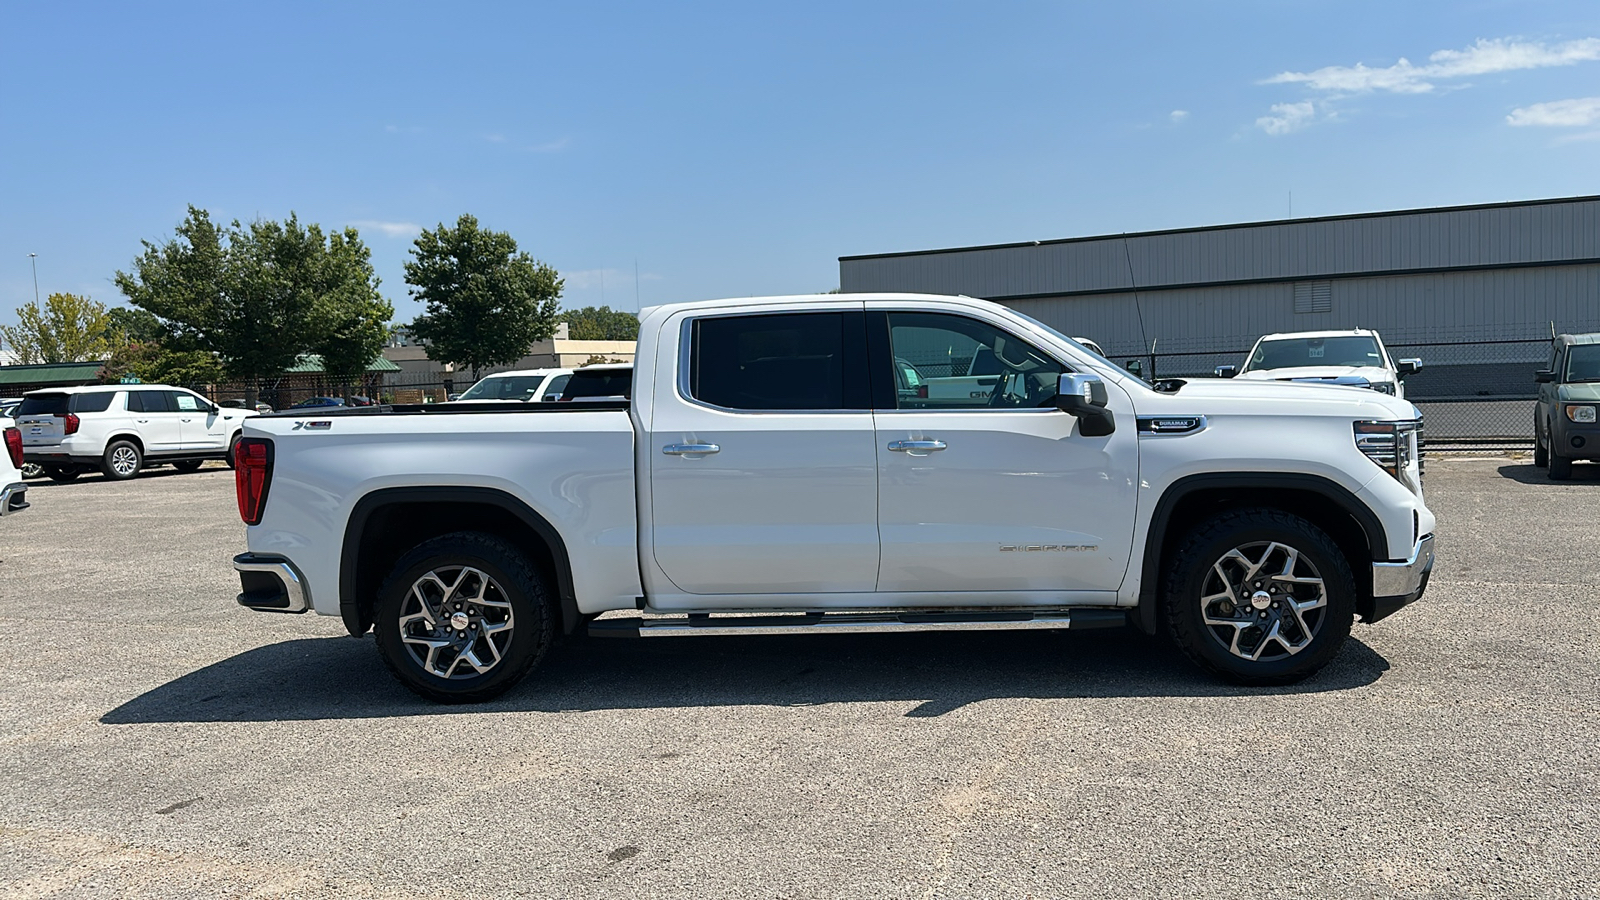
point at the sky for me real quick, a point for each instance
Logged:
(661, 152)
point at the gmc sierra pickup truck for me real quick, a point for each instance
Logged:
(768, 473)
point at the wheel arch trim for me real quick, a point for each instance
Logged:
(1145, 614)
(361, 514)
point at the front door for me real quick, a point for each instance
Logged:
(203, 426)
(994, 489)
(763, 476)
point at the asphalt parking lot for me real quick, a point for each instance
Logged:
(158, 741)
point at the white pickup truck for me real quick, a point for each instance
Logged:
(767, 474)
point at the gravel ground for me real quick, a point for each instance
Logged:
(158, 741)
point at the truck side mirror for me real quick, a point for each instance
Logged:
(1227, 371)
(1408, 367)
(1136, 367)
(1084, 396)
(1544, 376)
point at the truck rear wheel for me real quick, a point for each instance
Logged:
(463, 617)
(1259, 597)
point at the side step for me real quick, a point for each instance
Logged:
(704, 624)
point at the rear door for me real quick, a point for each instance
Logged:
(156, 418)
(763, 476)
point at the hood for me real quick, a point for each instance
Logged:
(1370, 374)
(1223, 396)
(1583, 391)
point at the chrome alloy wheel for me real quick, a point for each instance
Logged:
(124, 461)
(1263, 601)
(456, 622)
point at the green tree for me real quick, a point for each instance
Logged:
(485, 302)
(350, 321)
(69, 328)
(154, 364)
(601, 323)
(256, 297)
(136, 325)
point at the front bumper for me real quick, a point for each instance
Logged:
(1395, 584)
(1574, 440)
(13, 498)
(271, 583)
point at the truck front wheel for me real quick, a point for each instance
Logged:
(1259, 597)
(463, 617)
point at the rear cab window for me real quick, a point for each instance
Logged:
(779, 362)
(44, 405)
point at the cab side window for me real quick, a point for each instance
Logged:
(148, 402)
(778, 362)
(183, 402)
(953, 362)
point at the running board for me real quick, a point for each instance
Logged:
(703, 624)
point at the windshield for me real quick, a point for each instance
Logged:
(1583, 362)
(43, 405)
(1292, 353)
(506, 387)
(1059, 336)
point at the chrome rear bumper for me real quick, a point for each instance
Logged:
(13, 498)
(271, 584)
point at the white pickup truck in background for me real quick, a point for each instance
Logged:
(770, 471)
(1354, 358)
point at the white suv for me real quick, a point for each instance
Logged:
(522, 385)
(120, 429)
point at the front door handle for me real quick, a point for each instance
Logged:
(916, 446)
(689, 449)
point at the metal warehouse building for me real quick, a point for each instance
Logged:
(1472, 290)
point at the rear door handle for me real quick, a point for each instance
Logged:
(916, 446)
(689, 449)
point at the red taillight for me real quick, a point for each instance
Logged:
(69, 423)
(252, 475)
(922, 392)
(14, 446)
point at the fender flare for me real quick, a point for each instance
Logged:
(356, 525)
(1145, 613)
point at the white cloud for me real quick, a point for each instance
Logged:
(1288, 117)
(1178, 115)
(390, 229)
(1576, 113)
(1485, 57)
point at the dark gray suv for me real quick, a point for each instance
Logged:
(1564, 426)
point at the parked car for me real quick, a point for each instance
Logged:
(315, 402)
(522, 385)
(609, 381)
(13, 490)
(765, 463)
(120, 429)
(1564, 426)
(1354, 358)
(240, 404)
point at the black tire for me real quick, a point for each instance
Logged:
(1560, 467)
(188, 465)
(1541, 454)
(122, 460)
(1190, 574)
(233, 449)
(62, 474)
(521, 589)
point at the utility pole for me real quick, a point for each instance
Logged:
(34, 258)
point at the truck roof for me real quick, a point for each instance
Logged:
(1347, 332)
(738, 302)
(1591, 338)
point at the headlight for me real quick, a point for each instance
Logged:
(1583, 414)
(1384, 387)
(1396, 447)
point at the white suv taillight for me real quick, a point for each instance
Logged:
(70, 423)
(14, 446)
(252, 476)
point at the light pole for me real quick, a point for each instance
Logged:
(34, 258)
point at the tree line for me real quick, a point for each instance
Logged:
(245, 302)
